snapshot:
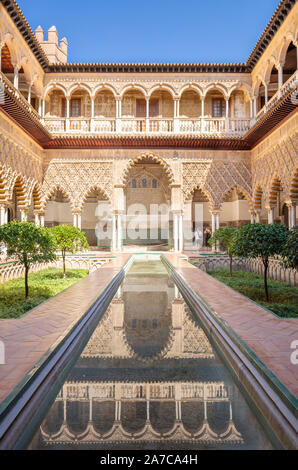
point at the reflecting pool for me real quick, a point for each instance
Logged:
(149, 378)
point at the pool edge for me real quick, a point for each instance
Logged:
(277, 407)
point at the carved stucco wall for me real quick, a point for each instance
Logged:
(215, 179)
(20, 160)
(76, 179)
(77, 172)
(276, 158)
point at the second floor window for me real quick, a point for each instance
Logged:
(74, 107)
(218, 107)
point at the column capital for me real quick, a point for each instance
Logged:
(177, 211)
(38, 212)
(118, 211)
(280, 65)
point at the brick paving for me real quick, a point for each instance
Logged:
(268, 336)
(27, 338)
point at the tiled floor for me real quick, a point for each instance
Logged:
(268, 336)
(26, 339)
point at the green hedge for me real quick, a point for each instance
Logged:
(283, 297)
(43, 285)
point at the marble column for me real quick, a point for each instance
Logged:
(180, 234)
(67, 125)
(293, 215)
(29, 94)
(90, 409)
(203, 107)
(23, 215)
(176, 115)
(16, 77)
(280, 75)
(37, 219)
(270, 216)
(255, 106)
(175, 230)
(266, 93)
(213, 227)
(213, 222)
(147, 113)
(3, 215)
(251, 108)
(92, 114)
(75, 220)
(118, 114)
(147, 410)
(119, 232)
(114, 233)
(79, 221)
(178, 410)
(217, 220)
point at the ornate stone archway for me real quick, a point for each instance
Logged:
(147, 181)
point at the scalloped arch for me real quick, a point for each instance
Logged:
(51, 191)
(91, 188)
(241, 190)
(145, 156)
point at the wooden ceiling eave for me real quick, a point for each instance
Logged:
(14, 109)
(143, 141)
(285, 107)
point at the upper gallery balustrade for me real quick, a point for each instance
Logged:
(133, 112)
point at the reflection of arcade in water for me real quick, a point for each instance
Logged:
(149, 375)
(120, 412)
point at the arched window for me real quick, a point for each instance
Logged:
(134, 183)
(154, 184)
(144, 183)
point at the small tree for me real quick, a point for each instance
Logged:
(225, 236)
(290, 250)
(258, 240)
(69, 238)
(29, 244)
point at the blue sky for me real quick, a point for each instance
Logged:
(154, 30)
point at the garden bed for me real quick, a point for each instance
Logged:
(42, 285)
(283, 298)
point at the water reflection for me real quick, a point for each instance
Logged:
(149, 377)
